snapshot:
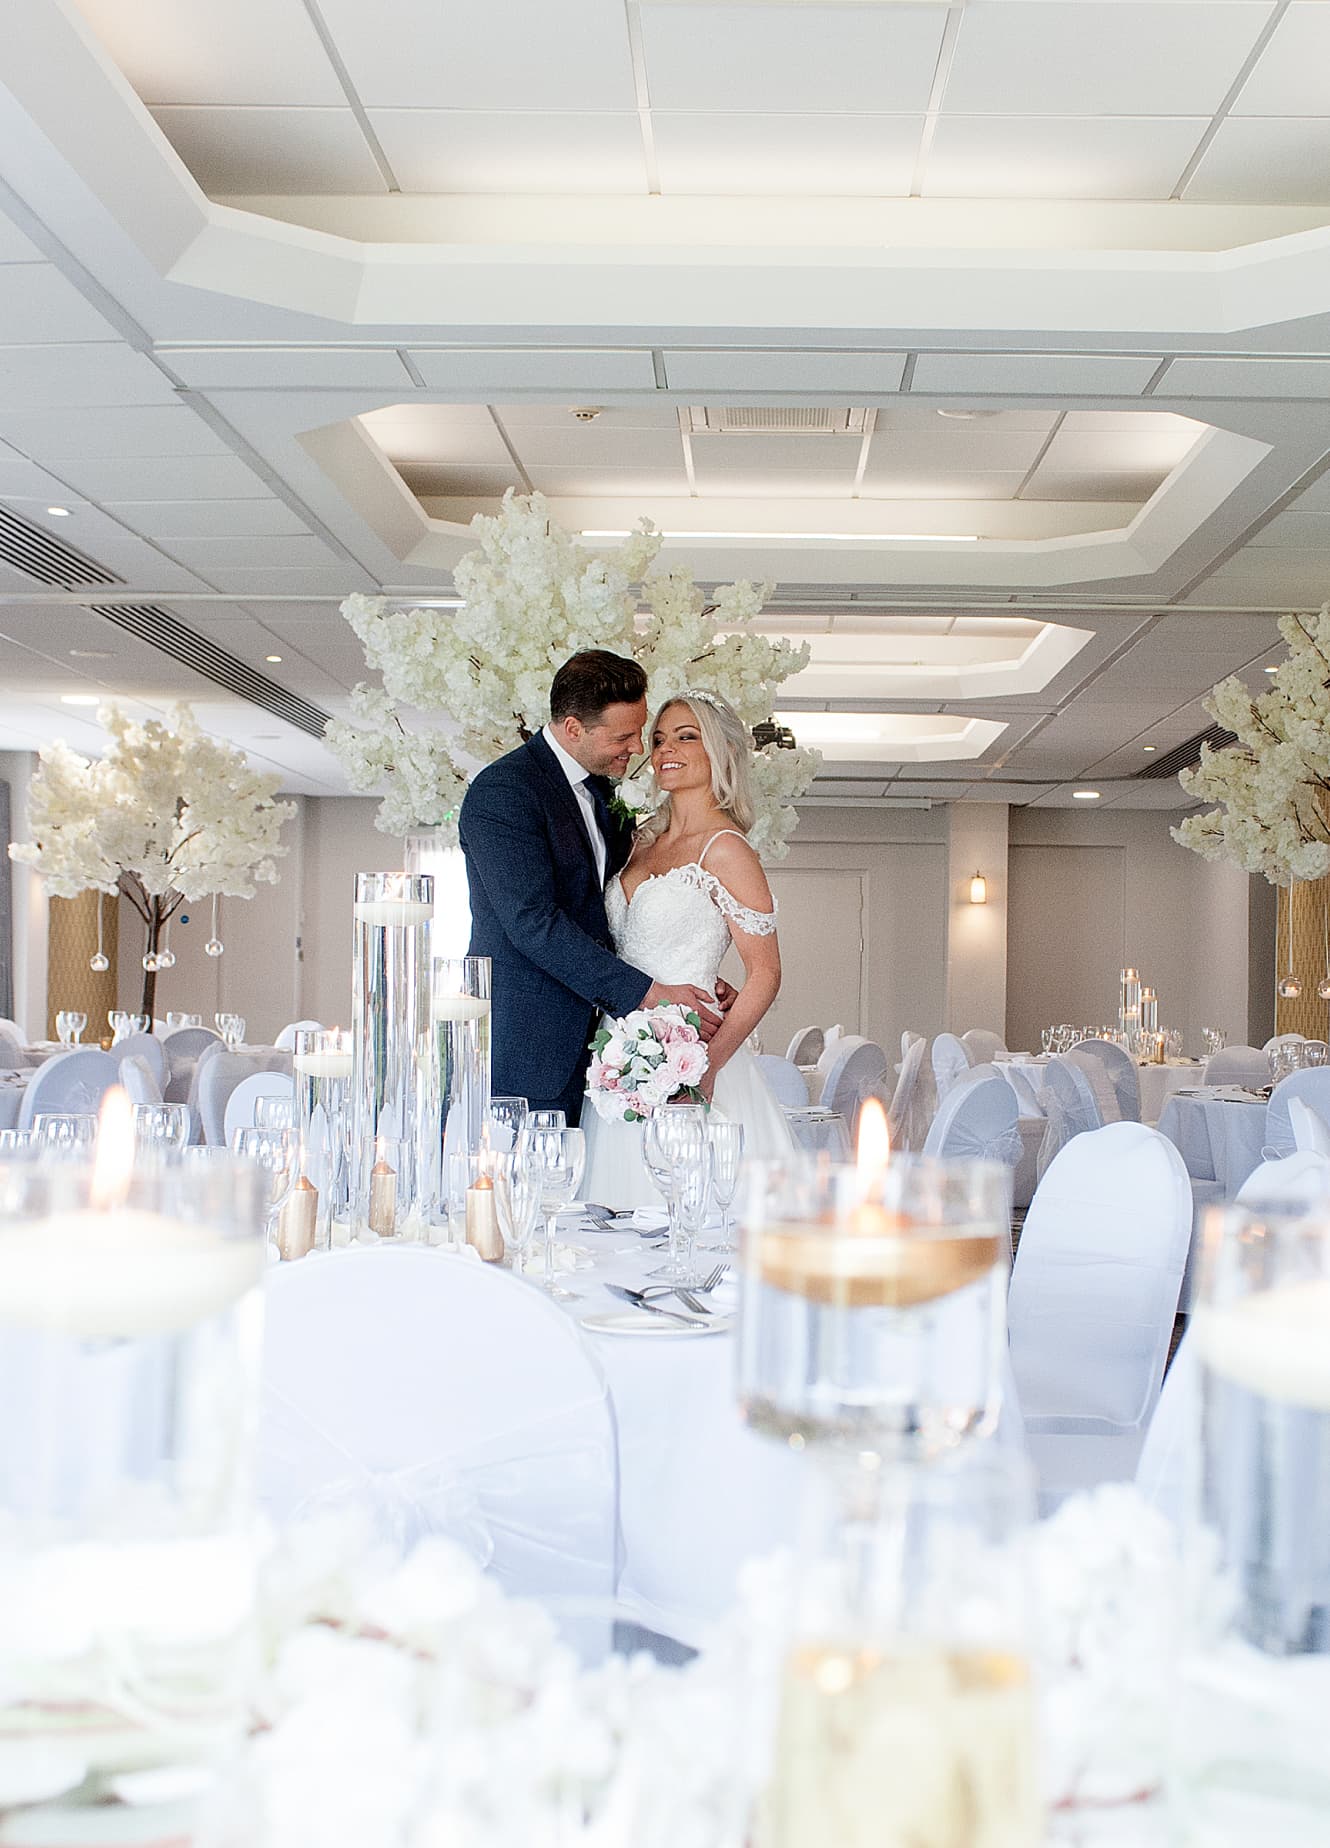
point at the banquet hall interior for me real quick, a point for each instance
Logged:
(991, 338)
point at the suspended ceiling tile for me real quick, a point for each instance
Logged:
(1056, 157)
(411, 433)
(764, 155)
(1248, 378)
(23, 480)
(1127, 486)
(1103, 451)
(158, 477)
(485, 54)
(639, 416)
(926, 418)
(1263, 161)
(97, 373)
(14, 247)
(452, 479)
(609, 483)
(276, 549)
(976, 448)
(535, 369)
(37, 305)
(473, 151)
(1289, 78)
(1295, 528)
(286, 368)
(817, 58)
(945, 484)
(156, 433)
(1314, 499)
(1058, 374)
(777, 451)
(205, 519)
(216, 51)
(272, 150)
(734, 482)
(595, 445)
(1130, 423)
(784, 371)
(337, 580)
(1100, 57)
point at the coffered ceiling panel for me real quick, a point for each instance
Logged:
(777, 371)
(467, 151)
(1058, 157)
(847, 155)
(1261, 159)
(298, 150)
(217, 51)
(1289, 77)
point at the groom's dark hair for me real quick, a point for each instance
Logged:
(590, 681)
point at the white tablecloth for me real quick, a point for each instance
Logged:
(1157, 1082)
(821, 1131)
(1218, 1134)
(13, 1085)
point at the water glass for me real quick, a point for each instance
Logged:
(1213, 1040)
(559, 1155)
(517, 1197)
(906, 1711)
(174, 1020)
(546, 1119)
(274, 1112)
(276, 1154)
(1250, 1746)
(17, 1141)
(232, 1029)
(69, 1026)
(1315, 1052)
(505, 1123)
(692, 1197)
(161, 1126)
(674, 1141)
(727, 1147)
(65, 1130)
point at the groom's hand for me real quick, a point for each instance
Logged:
(683, 994)
(726, 996)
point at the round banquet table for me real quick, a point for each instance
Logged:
(1219, 1134)
(1157, 1082)
(820, 1132)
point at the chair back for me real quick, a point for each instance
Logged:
(857, 1073)
(184, 1048)
(906, 1115)
(1100, 1059)
(13, 1027)
(474, 1403)
(1237, 1065)
(138, 1081)
(11, 1049)
(146, 1047)
(217, 1075)
(1299, 1180)
(239, 1109)
(1311, 1087)
(1070, 1105)
(977, 1120)
(951, 1060)
(1027, 1082)
(909, 1038)
(1311, 1132)
(982, 1044)
(786, 1081)
(75, 1081)
(286, 1039)
(806, 1047)
(1095, 1285)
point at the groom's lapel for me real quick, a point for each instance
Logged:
(561, 792)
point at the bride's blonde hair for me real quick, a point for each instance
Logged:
(727, 744)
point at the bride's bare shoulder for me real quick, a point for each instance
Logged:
(739, 870)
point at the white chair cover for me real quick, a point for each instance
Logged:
(977, 1120)
(907, 1115)
(1311, 1087)
(218, 1074)
(472, 1405)
(11, 1049)
(806, 1047)
(1237, 1065)
(138, 1082)
(146, 1047)
(1070, 1105)
(854, 1075)
(184, 1048)
(1094, 1291)
(1120, 1069)
(1027, 1082)
(981, 1044)
(13, 1027)
(74, 1081)
(909, 1039)
(1311, 1132)
(1283, 1039)
(951, 1060)
(786, 1080)
(239, 1109)
(286, 1039)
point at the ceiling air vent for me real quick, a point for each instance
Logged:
(37, 555)
(773, 420)
(1186, 756)
(170, 637)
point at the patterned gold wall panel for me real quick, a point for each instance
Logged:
(1308, 1014)
(70, 983)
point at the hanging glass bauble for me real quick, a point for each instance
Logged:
(213, 947)
(1323, 988)
(1289, 988)
(150, 962)
(99, 964)
(166, 959)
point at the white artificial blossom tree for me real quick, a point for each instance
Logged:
(167, 815)
(1273, 783)
(480, 675)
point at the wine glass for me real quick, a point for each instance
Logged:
(506, 1122)
(559, 1155)
(65, 1131)
(232, 1029)
(727, 1147)
(546, 1119)
(678, 1137)
(64, 1028)
(693, 1191)
(517, 1197)
(274, 1112)
(137, 1023)
(78, 1022)
(161, 1126)
(274, 1152)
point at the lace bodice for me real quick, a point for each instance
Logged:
(677, 927)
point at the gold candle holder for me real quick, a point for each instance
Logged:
(482, 1220)
(382, 1216)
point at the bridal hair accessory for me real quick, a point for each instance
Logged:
(691, 694)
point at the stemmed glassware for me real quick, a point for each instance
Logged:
(505, 1122)
(122, 1025)
(274, 1112)
(675, 1144)
(559, 1155)
(517, 1197)
(232, 1029)
(161, 1126)
(727, 1147)
(174, 1020)
(66, 1131)
(69, 1025)
(1213, 1040)
(275, 1152)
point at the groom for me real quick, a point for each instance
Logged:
(540, 842)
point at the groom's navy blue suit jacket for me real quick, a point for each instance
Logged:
(538, 913)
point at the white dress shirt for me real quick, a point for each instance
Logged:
(577, 777)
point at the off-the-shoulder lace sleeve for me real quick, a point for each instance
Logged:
(754, 923)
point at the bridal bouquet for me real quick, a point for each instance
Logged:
(650, 1057)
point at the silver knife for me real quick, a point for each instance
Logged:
(671, 1315)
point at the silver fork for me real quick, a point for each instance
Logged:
(690, 1298)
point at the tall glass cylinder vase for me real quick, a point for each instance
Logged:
(321, 1065)
(1129, 1005)
(461, 1065)
(392, 1122)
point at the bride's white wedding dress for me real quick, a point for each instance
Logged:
(676, 928)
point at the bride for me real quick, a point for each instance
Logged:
(693, 886)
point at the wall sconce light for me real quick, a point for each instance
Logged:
(979, 890)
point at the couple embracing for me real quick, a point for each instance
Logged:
(582, 915)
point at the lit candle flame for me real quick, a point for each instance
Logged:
(874, 1146)
(113, 1163)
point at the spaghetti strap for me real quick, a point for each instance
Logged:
(715, 837)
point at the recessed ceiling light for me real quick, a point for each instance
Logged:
(264, 737)
(832, 538)
(1272, 670)
(272, 657)
(58, 513)
(966, 416)
(80, 699)
(1149, 747)
(1085, 795)
(92, 654)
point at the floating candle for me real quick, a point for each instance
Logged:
(1275, 1343)
(323, 1064)
(397, 911)
(461, 1007)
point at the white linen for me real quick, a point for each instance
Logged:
(976, 1120)
(1218, 1134)
(1310, 1087)
(820, 1132)
(13, 1084)
(786, 1080)
(75, 1081)
(1157, 1082)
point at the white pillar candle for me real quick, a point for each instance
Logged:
(461, 1007)
(1275, 1343)
(323, 1064)
(398, 911)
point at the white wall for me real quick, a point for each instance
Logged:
(977, 934)
(30, 906)
(1090, 894)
